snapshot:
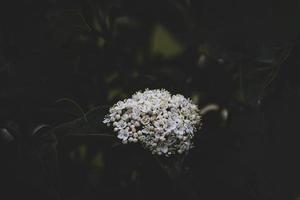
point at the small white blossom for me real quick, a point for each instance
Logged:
(123, 134)
(163, 123)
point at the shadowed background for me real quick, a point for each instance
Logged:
(63, 63)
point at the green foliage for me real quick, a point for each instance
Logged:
(164, 43)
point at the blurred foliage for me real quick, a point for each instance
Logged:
(164, 44)
(63, 63)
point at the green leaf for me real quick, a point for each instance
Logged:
(89, 126)
(98, 161)
(164, 43)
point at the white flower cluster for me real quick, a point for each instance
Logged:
(163, 123)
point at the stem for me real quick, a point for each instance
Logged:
(76, 105)
(90, 134)
(173, 168)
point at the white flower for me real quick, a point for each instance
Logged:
(170, 125)
(106, 120)
(123, 134)
(120, 105)
(163, 149)
(120, 124)
(163, 123)
(145, 120)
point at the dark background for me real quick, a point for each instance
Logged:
(63, 63)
